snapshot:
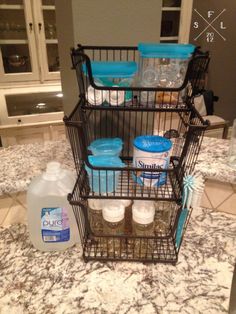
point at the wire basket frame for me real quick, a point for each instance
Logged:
(167, 112)
(184, 127)
(158, 246)
(144, 97)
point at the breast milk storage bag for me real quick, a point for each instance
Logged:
(51, 221)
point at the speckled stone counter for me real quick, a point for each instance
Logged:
(37, 282)
(212, 160)
(19, 164)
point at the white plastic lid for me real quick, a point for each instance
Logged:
(115, 98)
(114, 212)
(95, 96)
(143, 212)
(95, 204)
(52, 171)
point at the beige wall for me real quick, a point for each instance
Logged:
(65, 35)
(222, 71)
(102, 22)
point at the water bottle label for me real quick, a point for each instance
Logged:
(55, 225)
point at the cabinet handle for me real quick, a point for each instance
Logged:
(31, 26)
(40, 26)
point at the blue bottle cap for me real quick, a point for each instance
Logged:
(152, 143)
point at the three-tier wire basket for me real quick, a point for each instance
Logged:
(171, 114)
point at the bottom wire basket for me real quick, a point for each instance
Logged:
(159, 244)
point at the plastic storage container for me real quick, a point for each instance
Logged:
(106, 146)
(113, 225)
(104, 181)
(111, 74)
(51, 221)
(143, 213)
(163, 65)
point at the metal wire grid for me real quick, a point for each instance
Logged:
(159, 247)
(86, 123)
(153, 97)
(127, 188)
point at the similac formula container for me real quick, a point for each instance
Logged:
(51, 222)
(151, 152)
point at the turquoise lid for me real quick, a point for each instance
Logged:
(106, 146)
(152, 143)
(172, 51)
(114, 69)
(106, 161)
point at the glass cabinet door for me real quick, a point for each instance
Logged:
(17, 41)
(48, 39)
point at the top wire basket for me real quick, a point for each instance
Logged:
(109, 78)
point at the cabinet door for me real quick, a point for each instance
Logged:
(45, 18)
(18, 60)
(176, 20)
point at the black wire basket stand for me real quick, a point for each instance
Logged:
(171, 115)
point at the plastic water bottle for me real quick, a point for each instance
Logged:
(51, 222)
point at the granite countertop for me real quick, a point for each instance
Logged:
(19, 164)
(212, 160)
(55, 283)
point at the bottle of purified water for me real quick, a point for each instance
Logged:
(51, 222)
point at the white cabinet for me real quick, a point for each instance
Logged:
(28, 41)
(32, 133)
(32, 104)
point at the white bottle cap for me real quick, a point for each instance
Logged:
(113, 212)
(114, 97)
(143, 212)
(95, 204)
(53, 170)
(95, 96)
(126, 203)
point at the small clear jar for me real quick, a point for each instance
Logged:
(143, 213)
(163, 216)
(113, 226)
(95, 215)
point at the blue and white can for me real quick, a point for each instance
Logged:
(151, 152)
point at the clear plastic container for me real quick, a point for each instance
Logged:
(106, 146)
(111, 74)
(143, 213)
(104, 181)
(51, 222)
(113, 214)
(163, 216)
(163, 65)
(95, 215)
